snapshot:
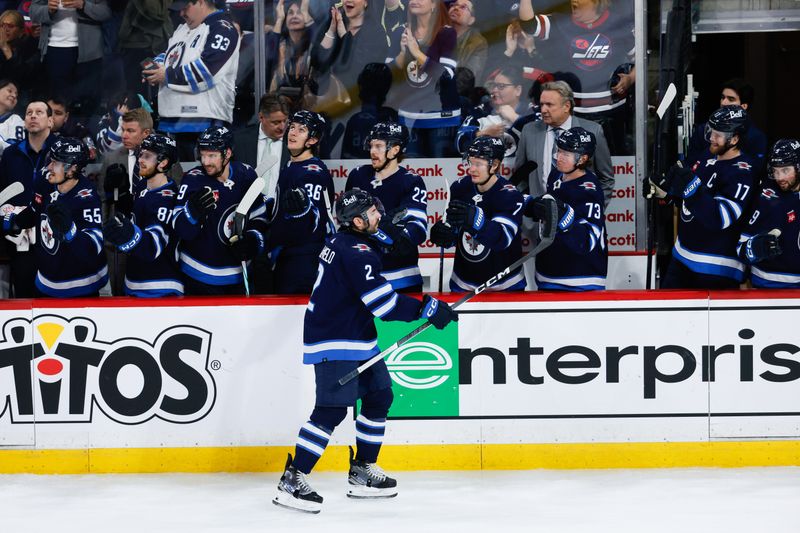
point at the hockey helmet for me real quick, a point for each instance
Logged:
(351, 204)
(311, 120)
(577, 141)
(69, 150)
(163, 146)
(218, 138)
(730, 119)
(488, 148)
(785, 153)
(392, 133)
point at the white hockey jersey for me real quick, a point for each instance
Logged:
(12, 130)
(201, 68)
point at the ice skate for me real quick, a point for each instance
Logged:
(368, 480)
(294, 492)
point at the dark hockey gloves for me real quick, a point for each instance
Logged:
(401, 245)
(675, 183)
(437, 312)
(295, 202)
(61, 222)
(122, 233)
(249, 246)
(200, 205)
(14, 223)
(463, 215)
(116, 181)
(540, 208)
(760, 247)
(442, 234)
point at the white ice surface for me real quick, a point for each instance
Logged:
(751, 500)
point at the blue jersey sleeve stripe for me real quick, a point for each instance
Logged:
(187, 73)
(386, 308)
(507, 222)
(417, 213)
(374, 294)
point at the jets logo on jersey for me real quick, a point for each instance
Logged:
(769, 194)
(416, 76)
(362, 247)
(790, 216)
(590, 51)
(84, 193)
(49, 242)
(744, 165)
(473, 251)
(313, 167)
(175, 55)
(589, 186)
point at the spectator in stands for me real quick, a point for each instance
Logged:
(471, 47)
(64, 125)
(606, 79)
(20, 55)
(505, 106)
(423, 51)
(374, 83)
(354, 38)
(71, 44)
(24, 162)
(289, 44)
(109, 138)
(196, 74)
(520, 47)
(144, 32)
(11, 126)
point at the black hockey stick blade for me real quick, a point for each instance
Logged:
(548, 233)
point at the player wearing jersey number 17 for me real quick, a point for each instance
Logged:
(338, 336)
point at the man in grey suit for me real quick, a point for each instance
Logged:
(537, 141)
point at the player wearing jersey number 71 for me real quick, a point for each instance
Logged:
(338, 335)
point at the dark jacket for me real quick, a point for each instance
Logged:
(146, 25)
(19, 164)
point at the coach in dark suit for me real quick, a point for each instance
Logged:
(256, 142)
(537, 141)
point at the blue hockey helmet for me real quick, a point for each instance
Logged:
(577, 141)
(351, 204)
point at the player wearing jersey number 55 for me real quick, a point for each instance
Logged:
(66, 212)
(338, 335)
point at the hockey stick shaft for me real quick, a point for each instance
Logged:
(249, 198)
(666, 101)
(550, 227)
(441, 248)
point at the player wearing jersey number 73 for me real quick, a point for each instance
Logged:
(338, 335)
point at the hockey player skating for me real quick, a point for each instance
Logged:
(301, 219)
(713, 195)
(338, 335)
(770, 241)
(578, 258)
(146, 236)
(203, 219)
(403, 194)
(66, 212)
(483, 220)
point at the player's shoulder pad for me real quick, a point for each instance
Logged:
(194, 173)
(84, 194)
(221, 24)
(743, 166)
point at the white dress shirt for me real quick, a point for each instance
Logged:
(269, 147)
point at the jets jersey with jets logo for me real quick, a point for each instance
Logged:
(403, 190)
(304, 233)
(151, 269)
(577, 260)
(710, 217)
(201, 65)
(78, 267)
(203, 250)
(594, 50)
(776, 210)
(481, 255)
(348, 295)
(12, 130)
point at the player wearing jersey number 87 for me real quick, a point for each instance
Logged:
(339, 335)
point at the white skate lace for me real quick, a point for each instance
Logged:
(376, 472)
(302, 484)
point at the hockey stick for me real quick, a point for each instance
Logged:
(666, 101)
(441, 248)
(11, 191)
(240, 216)
(550, 226)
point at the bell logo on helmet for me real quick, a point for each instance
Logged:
(73, 149)
(735, 113)
(349, 200)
